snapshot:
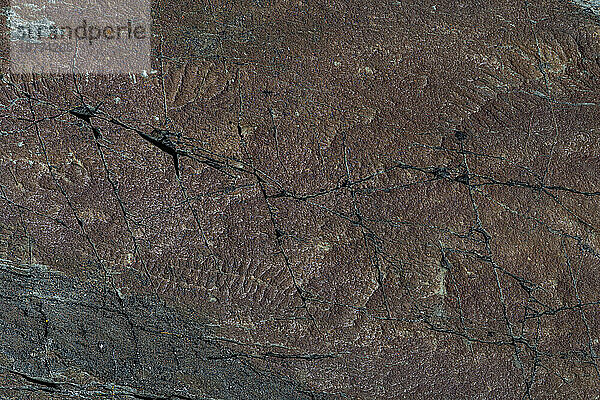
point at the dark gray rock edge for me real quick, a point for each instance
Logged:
(65, 338)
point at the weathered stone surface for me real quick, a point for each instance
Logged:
(375, 200)
(64, 338)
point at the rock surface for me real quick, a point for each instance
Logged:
(372, 200)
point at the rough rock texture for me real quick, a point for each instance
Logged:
(375, 200)
(96, 345)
